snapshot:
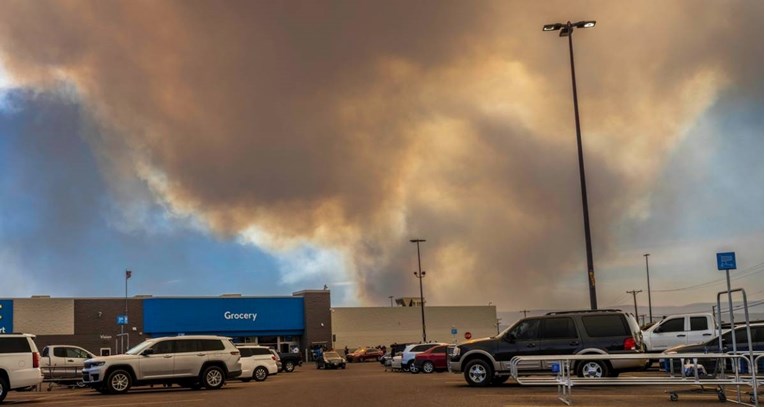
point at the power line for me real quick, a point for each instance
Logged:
(714, 282)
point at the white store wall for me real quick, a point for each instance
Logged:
(372, 326)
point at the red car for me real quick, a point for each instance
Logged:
(364, 354)
(431, 360)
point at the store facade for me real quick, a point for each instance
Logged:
(102, 326)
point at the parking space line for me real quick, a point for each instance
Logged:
(144, 403)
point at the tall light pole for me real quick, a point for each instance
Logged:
(648, 277)
(420, 274)
(567, 30)
(391, 300)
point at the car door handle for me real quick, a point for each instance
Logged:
(706, 335)
(167, 356)
(200, 354)
(681, 336)
(573, 343)
(531, 345)
(70, 360)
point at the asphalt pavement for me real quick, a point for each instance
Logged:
(367, 385)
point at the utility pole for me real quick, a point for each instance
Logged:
(634, 299)
(391, 300)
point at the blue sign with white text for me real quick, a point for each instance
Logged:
(6, 316)
(122, 319)
(224, 316)
(726, 261)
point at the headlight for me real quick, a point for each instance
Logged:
(456, 351)
(96, 364)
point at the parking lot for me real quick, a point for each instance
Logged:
(362, 384)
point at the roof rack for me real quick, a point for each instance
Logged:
(582, 311)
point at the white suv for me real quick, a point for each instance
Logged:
(190, 361)
(19, 363)
(257, 363)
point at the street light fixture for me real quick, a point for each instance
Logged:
(420, 274)
(567, 30)
(648, 277)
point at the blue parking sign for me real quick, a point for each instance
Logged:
(726, 261)
(454, 331)
(122, 320)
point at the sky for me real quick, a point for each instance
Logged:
(264, 148)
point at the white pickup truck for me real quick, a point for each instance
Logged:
(683, 329)
(63, 363)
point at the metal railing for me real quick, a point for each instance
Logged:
(691, 375)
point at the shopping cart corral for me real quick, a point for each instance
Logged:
(692, 374)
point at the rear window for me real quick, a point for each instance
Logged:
(699, 324)
(558, 328)
(672, 325)
(261, 351)
(421, 348)
(15, 344)
(59, 352)
(599, 326)
(245, 352)
(212, 344)
(439, 349)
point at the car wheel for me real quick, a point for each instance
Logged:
(289, 367)
(478, 373)
(260, 374)
(592, 369)
(213, 378)
(118, 382)
(428, 367)
(413, 368)
(3, 388)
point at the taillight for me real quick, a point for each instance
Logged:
(629, 343)
(273, 357)
(35, 360)
(235, 352)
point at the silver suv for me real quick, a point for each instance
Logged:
(19, 363)
(190, 361)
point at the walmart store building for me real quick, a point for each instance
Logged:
(97, 324)
(304, 319)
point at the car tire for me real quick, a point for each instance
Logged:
(592, 369)
(4, 387)
(118, 381)
(289, 367)
(478, 373)
(428, 367)
(413, 368)
(213, 378)
(260, 374)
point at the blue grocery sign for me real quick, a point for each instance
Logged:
(6, 316)
(224, 316)
(726, 261)
(122, 319)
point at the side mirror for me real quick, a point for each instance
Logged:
(147, 352)
(510, 337)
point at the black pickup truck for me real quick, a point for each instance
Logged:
(290, 360)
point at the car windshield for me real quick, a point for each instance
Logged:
(135, 350)
(331, 355)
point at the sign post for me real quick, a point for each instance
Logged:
(727, 261)
(454, 334)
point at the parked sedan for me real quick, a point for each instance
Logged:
(713, 346)
(331, 360)
(431, 360)
(364, 354)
